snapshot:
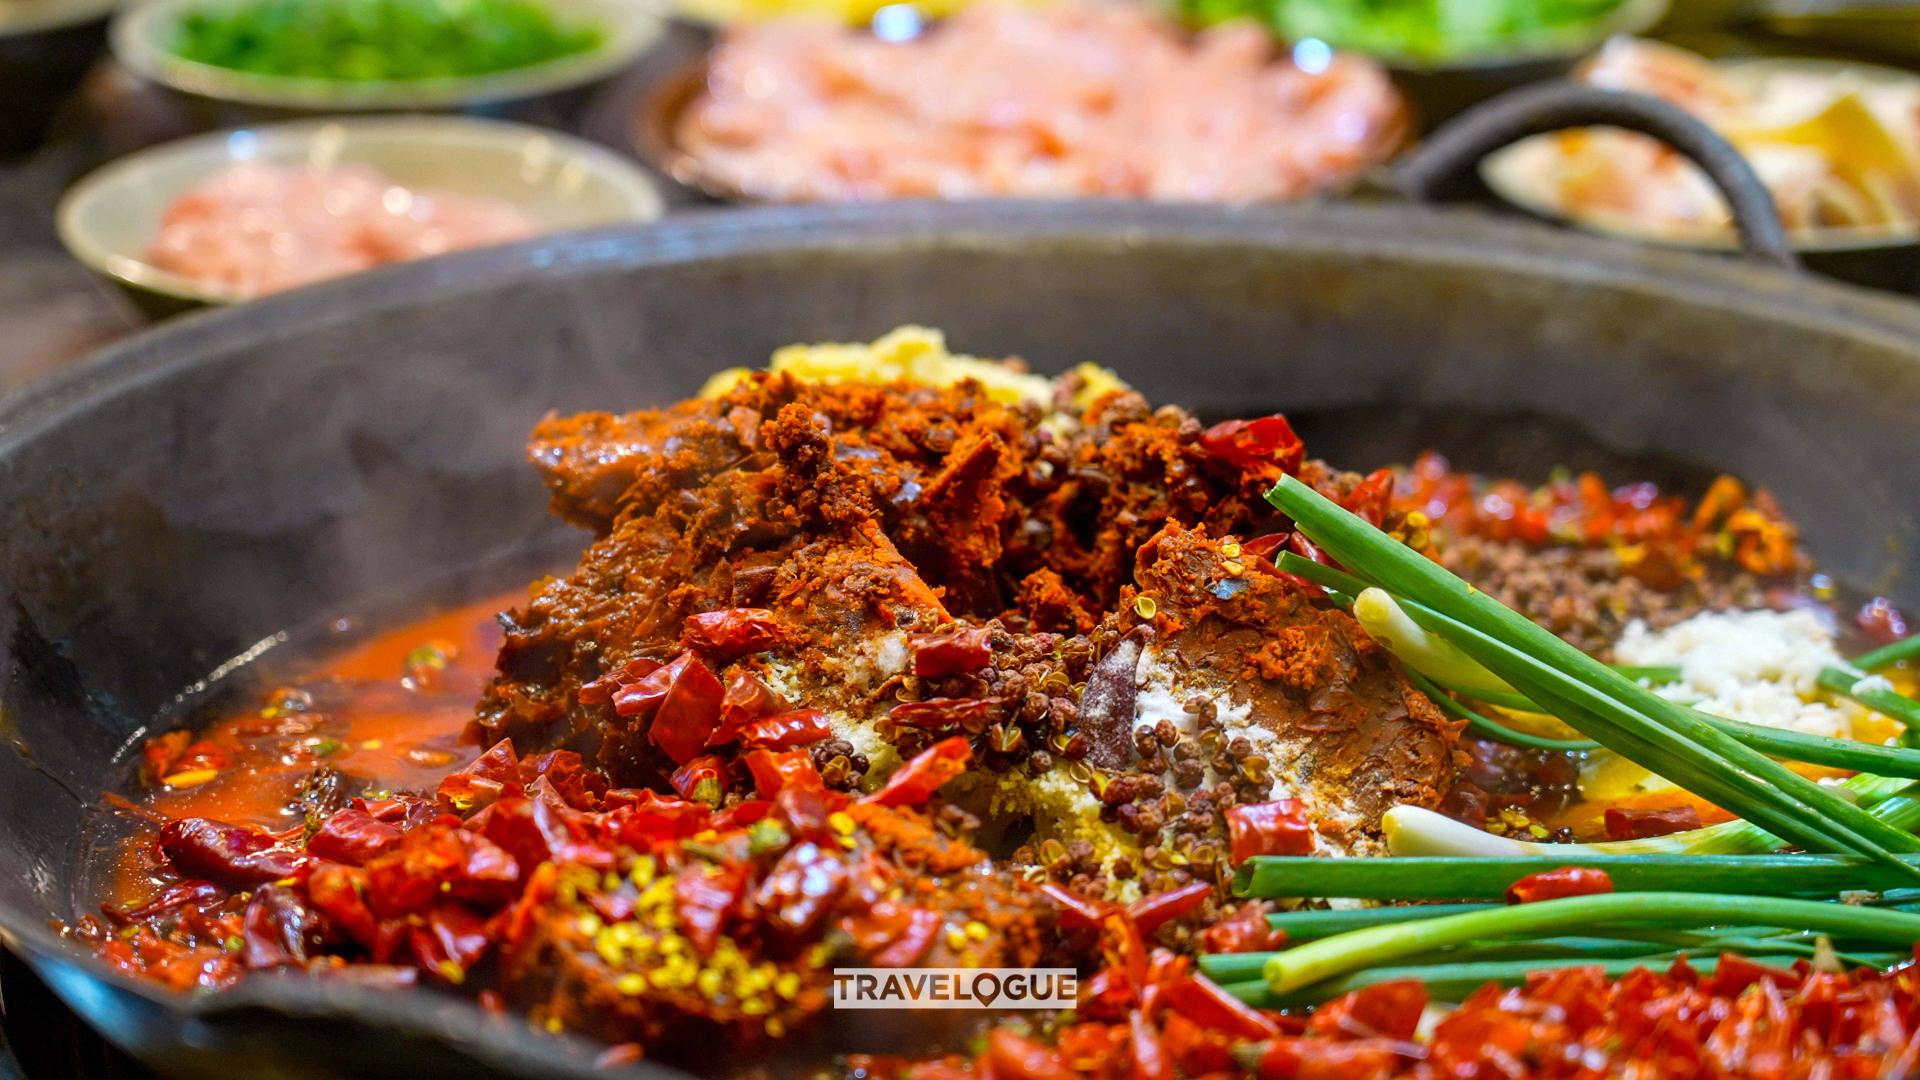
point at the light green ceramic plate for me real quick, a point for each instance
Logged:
(143, 33)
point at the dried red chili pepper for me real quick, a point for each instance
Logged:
(450, 942)
(483, 780)
(530, 830)
(647, 820)
(703, 780)
(191, 892)
(734, 632)
(1197, 1050)
(1370, 498)
(915, 782)
(1632, 824)
(971, 715)
(684, 698)
(747, 699)
(1271, 828)
(352, 836)
(1265, 548)
(1269, 440)
(1389, 1010)
(800, 890)
(951, 653)
(775, 769)
(436, 861)
(1076, 912)
(741, 815)
(921, 930)
(576, 784)
(802, 727)
(1733, 974)
(704, 898)
(1016, 1057)
(1245, 931)
(1323, 1059)
(1149, 913)
(1150, 1060)
(601, 690)
(1202, 1001)
(339, 892)
(1556, 884)
(232, 855)
(280, 928)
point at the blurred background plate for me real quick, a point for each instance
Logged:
(143, 39)
(108, 221)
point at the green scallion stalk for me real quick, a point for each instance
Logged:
(1455, 982)
(1601, 703)
(1414, 830)
(1849, 754)
(1819, 821)
(1295, 969)
(1430, 659)
(1886, 656)
(1844, 683)
(1490, 728)
(1306, 925)
(1487, 878)
(1430, 654)
(1598, 943)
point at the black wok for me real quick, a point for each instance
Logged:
(199, 489)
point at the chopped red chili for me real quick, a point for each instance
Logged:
(352, 836)
(1149, 913)
(1150, 1060)
(1632, 824)
(601, 690)
(916, 781)
(1369, 498)
(775, 769)
(1272, 828)
(232, 855)
(785, 731)
(915, 938)
(734, 632)
(1245, 931)
(1202, 1001)
(1016, 1057)
(952, 653)
(1389, 1010)
(684, 698)
(747, 699)
(703, 780)
(971, 715)
(1557, 884)
(1076, 912)
(1267, 441)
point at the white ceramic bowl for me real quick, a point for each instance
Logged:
(142, 39)
(1520, 175)
(108, 220)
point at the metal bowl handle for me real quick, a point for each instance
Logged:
(1443, 165)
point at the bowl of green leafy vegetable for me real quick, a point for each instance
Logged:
(1447, 54)
(334, 55)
